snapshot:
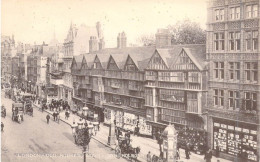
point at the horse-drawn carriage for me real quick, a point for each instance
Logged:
(17, 112)
(26, 97)
(3, 111)
(124, 149)
(8, 92)
(28, 108)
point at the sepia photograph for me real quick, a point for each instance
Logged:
(130, 80)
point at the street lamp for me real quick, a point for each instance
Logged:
(85, 111)
(81, 135)
(90, 127)
(80, 124)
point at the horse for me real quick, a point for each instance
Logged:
(133, 152)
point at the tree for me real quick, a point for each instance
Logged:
(146, 39)
(183, 32)
(187, 32)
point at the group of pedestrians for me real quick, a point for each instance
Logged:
(56, 106)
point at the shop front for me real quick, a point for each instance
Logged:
(235, 139)
(127, 121)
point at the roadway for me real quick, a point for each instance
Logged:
(35, 140)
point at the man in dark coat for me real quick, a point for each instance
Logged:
(187, 151)
(48, 118)
(208, 156)
(2, 126)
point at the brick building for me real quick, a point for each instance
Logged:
(234, 90)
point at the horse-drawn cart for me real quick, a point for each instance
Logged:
(28, 108)
(17, 112)
(124, 149)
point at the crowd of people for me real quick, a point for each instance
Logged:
(56, 106)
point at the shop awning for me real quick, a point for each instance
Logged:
(76, 98)
(140, 112)
(157, 124)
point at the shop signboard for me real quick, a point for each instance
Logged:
(145, 129)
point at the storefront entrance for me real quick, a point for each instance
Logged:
(128, 121)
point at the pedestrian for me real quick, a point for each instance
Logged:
(66, 115)
(2, 126)
(178, 153)
(58, 117)
(48, 118)
(149, 157)
(187, 151)
(217, 151)
(208, 156)
(54, 116)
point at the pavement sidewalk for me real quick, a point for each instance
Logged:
(145, 145)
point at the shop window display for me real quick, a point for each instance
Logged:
(235, 140)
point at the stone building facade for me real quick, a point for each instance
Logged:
(234, 90)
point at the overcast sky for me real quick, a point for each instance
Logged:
(35, 20)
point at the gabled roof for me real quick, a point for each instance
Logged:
(141, 60)
(120, 59)
(197, 55)
(78, 60)
(196, 52)
(138, 55)
(104, 58)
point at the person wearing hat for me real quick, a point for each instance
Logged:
(2, 126)
(149, 157)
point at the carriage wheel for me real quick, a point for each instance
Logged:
(118, 152)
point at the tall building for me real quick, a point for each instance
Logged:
(121, 40)
(7, 52)
(234, 90)
(78, 39)
(163, 38)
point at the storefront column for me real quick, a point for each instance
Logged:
(258, 141)
(258, 116)
(155, 105)
(210, 132)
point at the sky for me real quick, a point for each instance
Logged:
(36, 20)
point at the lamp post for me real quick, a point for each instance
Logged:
(81, 135)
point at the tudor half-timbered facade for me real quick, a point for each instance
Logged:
(234, 90)
(124, 93)
(175, 88)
